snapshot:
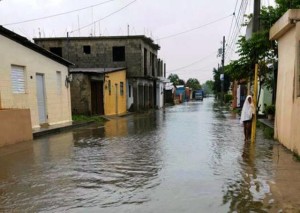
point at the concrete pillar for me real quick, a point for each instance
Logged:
(161, 68)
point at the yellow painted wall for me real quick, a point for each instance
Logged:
(110, 100)
(287, 128)
(58, 105)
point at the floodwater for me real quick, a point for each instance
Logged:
(186, 158)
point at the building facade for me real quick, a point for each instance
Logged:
(33, 78)
(287, 32)
(98, 91)
(144, 71)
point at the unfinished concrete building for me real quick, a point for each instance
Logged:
(138, 54)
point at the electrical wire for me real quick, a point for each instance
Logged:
(180, 33)
(237, 29)
(58, 14)
(195, 62)
(103, 17)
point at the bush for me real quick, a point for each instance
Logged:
(228, 98)
(270, 110)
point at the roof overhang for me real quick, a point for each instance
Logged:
(26, 43)
(284, 24)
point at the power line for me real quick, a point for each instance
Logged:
(237, 28)
(194, 62)
(58, 14)
(173, 35)
(103, 17)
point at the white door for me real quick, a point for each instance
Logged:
(40, 88)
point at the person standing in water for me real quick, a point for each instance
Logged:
(246, 117)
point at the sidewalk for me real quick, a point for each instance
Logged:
(42, 131)
(269, 123)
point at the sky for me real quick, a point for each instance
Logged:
(191, 54)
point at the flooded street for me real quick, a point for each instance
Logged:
(186, 158)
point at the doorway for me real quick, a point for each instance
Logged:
(97, 97)
(41, 98)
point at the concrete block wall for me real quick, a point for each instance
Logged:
(81, 94)
(102, 54)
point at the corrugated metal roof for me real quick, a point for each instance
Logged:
(96, 70)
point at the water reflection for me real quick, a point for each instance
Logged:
(115, 165)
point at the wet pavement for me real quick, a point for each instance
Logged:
(186, 158)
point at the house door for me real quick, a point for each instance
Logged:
(97, 97)
(117, 104)
(41, 100)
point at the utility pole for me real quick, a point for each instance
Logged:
(256, 14)
(222, 73)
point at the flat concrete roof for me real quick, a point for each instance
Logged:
(284, 24)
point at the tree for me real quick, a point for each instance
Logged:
(174, 78)
(193, 83)
(217, 81)
(208, 87)
(259, 49)
(181, 82)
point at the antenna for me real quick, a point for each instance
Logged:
(78, 25)
(128, 28)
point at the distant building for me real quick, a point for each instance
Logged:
(287, 32)
(138, 54)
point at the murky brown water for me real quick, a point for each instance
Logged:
(187, 158)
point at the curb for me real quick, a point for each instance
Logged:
(41, 133)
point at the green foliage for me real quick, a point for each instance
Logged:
(84, 118)
(270, 110)
(228, 98)
(174, 78)
(208, 87)
(181, 82)
(217, 82)
(193, 83)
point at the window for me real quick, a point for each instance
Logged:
(87, 49)
(58, 83)
(109, 87)
(119, 53)
(122, 88)
(56, 51)
(18, 80)
(145, 62)
(152, 58)
(129, 91)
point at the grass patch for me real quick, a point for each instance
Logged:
(85, 118)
